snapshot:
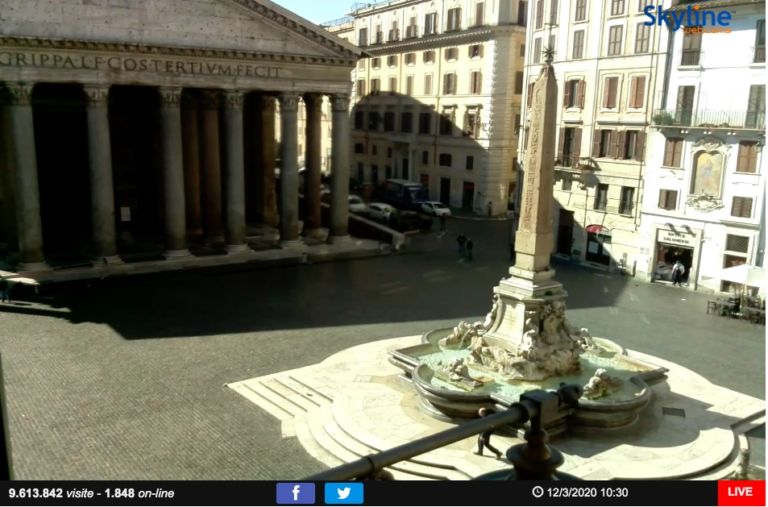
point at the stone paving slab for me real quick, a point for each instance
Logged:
(686, 432)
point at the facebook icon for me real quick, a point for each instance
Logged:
(295, 493)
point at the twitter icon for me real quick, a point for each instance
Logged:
(344, 493)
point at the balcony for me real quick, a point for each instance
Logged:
(712, 119)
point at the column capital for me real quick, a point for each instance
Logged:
(340, 102)
(209, 99)
(313, 101)
(267, 103)
(170, 96)
(289, 102)
(233, 99)
(19, 94)
(97, 95)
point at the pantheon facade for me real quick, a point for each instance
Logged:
(153, 122)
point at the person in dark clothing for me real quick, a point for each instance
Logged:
(484, 439)
(462, 241)
(470, 245)
(5, 290)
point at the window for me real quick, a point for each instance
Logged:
(667, 199)
(360, 148)
(601, 197)
(642, 38)
(573, 93)
(479, 14)
(637, 92)
(428, 84)
(394, 33)
(691, 49)
(392, 60)
(627, 202)
(673, 150)
(629, 141)
(389, 152)
(376, 63)
(406, 122)
(389, 121)
(393, 84)
(539, 14)
(429, 57)
(410, 58)
(735, 243)
(359, 120)
(522, 13)
(475, 51)
(445, 159)
(741, 207)
(360, 172)
(430, 23)
(756, 107)
(472, 123)
(375, 85)
(747, 161)
(517, 123)
(425, 157)
(409, 85)
(581, 10)
(553, 12)
(412, 30)
(610, 92)
(451, 54)
(617, 7)
(374, 149)
(519, 82)
(614, 40)
(536, 51)
(374, 174)
(475, 82)
(454, 19)
(578, 45)
(522, 50)
(529, 96)
(425, 123)
(373, 120)
(569, 147)
(470, 162)
(760, 41)
(602, 143)
(447, 121)
(566, 184)
(360, 88)
(362, 37)
(361, 64)
(684, 111)
(379, 35)
(642, 4)
(449, 83)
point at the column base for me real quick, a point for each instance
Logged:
(25, 267)
(293, 244)
(319, 233)
(340, 240)
(215, 240)
(238, 249)
(177, 254)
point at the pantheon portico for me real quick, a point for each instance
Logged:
(156, 119)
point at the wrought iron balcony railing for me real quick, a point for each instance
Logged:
(709, 119)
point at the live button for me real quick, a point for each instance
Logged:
(741, 493)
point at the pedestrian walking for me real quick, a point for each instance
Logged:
(5, 292)
(484, 439)
(489, 207)
(462, 241)
(470, 245)
(678, 270)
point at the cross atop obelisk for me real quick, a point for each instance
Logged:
(534, 239)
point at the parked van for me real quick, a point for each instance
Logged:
(403, 194)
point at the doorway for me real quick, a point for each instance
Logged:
(468, 196)
(598, 245)
(405, 168)
(445, 191)
(565, 232)
(666, 256)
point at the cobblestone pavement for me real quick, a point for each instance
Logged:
(125, 379)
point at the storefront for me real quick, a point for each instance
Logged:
(598, 244)
(674, 244)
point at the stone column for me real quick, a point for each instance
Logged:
(312, 160)
(234, 167)
(340, 137)
(173, 173)
(27, 192)
(102, 186)
(289, 171)
(266, 178)
(191, 148)
(211, 167)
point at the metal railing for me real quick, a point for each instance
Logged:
(709, 118)
(337, 22)
(533, 460)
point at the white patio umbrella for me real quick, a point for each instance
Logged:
(745, 275)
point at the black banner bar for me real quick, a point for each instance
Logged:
(428, 493)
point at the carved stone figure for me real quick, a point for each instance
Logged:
(464, 333)
(601, 385)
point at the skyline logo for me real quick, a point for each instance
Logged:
(295, 493)
(344, 493)
(694, 18)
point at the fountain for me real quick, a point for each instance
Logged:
(525, 341)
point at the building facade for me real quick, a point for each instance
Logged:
(704, 198)
(437, 99)
(610, 69)
(128, 124)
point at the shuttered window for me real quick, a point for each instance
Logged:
(642, 38)
(610, 92)
(667, 199)
(637, 92)
(673, 151)
(741, 207)
(747, 160)
(578, 45)
(614, 40)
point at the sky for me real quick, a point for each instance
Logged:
(317, 11)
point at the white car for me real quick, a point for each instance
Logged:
(380, 211)
(356, 204)
(437, 209)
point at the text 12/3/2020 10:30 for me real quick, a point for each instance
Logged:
(112, 493)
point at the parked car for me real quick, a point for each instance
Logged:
(404, 221)
(380, 211)
(356, 204)
(435, 208)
